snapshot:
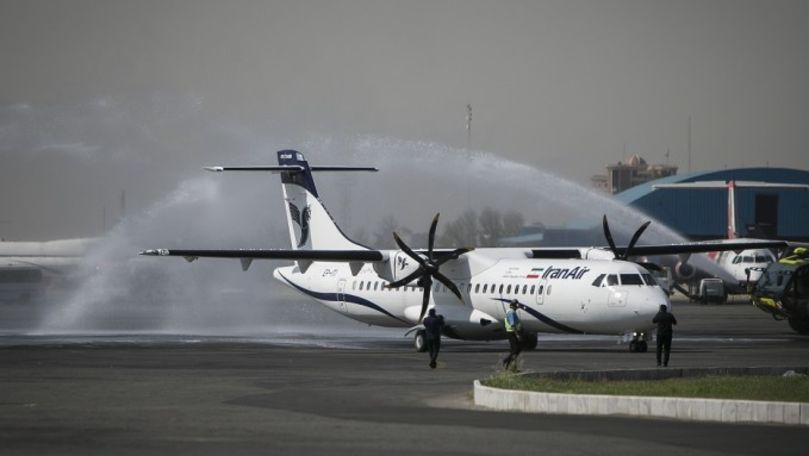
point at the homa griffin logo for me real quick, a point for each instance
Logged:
(560, 273)
(401, 262)
(303, 222)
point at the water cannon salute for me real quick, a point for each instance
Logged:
(578, 290)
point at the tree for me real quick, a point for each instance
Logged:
(491, 227)
(513, 222)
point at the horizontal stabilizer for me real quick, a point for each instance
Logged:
(288, 168)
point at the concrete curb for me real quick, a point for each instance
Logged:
(717, 410)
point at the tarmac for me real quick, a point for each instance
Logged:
(356, 394)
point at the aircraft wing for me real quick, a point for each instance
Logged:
(340, 256)
(663, 249)
(706, 246)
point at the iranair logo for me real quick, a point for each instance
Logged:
(564, 273)
(302, 219)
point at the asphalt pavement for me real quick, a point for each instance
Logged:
(356, 394)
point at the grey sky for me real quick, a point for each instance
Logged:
(99, 96)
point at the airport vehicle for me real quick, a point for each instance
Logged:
(712, 290)
(782, 290)
(592, 290)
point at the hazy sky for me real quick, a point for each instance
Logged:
(102, 96)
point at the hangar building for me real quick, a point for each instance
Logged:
(765, 212)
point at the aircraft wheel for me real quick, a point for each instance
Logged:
(420, 341)
(633, 346)
(530, 342)
(643, 347)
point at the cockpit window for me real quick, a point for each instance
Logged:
(763, 259)
(612, 279)
(597, 281)
(737, 260)
(649, 279)
(747, 259)
(631, 279)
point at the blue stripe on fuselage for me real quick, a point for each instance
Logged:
(543, 318)
(346, 297)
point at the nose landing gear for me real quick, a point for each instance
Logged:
(638, 343)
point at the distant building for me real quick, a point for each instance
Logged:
(635, 171)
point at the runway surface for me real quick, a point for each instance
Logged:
(304, 393)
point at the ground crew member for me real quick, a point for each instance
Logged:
(433, 325)
(513, 331)
(664, 321)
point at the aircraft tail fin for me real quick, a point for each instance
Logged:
(311, 227)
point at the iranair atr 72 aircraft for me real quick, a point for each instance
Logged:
(593, 290)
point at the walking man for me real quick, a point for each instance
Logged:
(665, 321)
(513, 331)
(433, 325)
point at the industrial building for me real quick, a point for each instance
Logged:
(698, 214)
(765, 212)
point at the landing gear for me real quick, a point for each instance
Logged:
(420, 341)
(638, 343)
(530, 341)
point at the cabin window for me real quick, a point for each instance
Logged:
(541, 289)
(468, 288)
(597, 281)
(532, 289)
(477, 287)
(549, 289)
(508, 289)
(612, 279)
(485, 286)
(354, 285)
(500, 290)
(631, 279)
(362, 283)
(524, 289)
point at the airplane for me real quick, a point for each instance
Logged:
(29, 268)
(575, 290)
(744, 267)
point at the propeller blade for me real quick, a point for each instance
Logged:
(454, 255)
(425, 300)
(409, 251)
(417, 273)
(608, 235)
(635, 238)
(431, 238)
(443, 279)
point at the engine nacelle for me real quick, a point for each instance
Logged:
(685, 271)
(398, 266)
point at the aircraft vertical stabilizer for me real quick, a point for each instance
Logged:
(311, 227)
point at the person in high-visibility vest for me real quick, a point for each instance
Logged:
(513, 331)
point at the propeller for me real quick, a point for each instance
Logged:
(632, 242)
(428, 267)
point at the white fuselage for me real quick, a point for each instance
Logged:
(745, 266)
(556, 295)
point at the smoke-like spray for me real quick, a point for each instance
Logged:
(123, 292)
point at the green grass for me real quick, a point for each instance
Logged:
(758, 388)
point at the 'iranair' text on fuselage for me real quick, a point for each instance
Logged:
(565, 273)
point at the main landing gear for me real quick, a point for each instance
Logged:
(638, 343)
(420, 341)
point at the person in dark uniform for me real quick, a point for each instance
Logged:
(665, 321)
(513, 328)
(433, 325)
